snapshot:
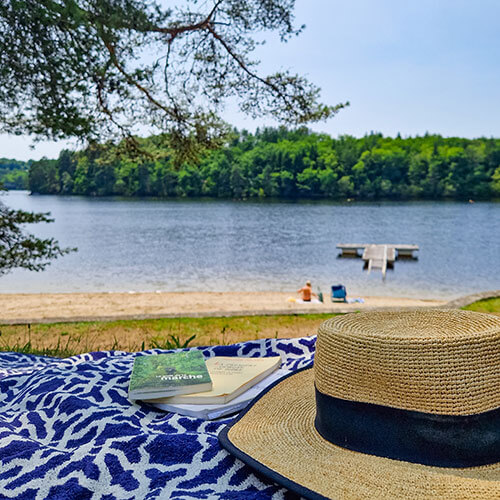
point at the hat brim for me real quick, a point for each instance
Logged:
(276, 436)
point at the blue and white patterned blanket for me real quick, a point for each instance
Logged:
(68, 431)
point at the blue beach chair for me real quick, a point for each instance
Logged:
(339, 293)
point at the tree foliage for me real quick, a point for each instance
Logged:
(14, 173)
(97, 68)
(21, 249)
(287, 164)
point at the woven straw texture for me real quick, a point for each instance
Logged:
(278, 431)
(445, 362)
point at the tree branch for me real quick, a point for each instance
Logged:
(175, 31)
(245, 68)
(135, 83)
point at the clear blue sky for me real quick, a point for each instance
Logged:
(406, 66)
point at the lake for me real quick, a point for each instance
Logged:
(186, 245)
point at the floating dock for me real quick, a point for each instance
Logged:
(377, 256)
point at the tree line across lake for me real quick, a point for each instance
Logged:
(14, 173)
(281, 163)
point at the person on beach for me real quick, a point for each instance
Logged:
(306, 292)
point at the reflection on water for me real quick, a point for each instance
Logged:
(148, 245)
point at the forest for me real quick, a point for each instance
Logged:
(13, 174)
(288, 164)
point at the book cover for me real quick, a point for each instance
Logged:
(231, 376)
(161, 375)
(211, 412)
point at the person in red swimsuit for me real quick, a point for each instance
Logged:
(306, 292)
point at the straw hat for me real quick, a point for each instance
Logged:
(399, 405)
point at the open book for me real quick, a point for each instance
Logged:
(211, 412)
(231, 376)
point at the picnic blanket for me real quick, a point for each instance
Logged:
(68, 431)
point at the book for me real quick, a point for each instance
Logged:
(211, 412)
(161, 375)
(231, 376)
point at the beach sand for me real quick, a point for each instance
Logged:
(34, 308)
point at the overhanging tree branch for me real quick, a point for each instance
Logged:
(52, 53)
(19, 249)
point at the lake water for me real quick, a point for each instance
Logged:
(149, 245)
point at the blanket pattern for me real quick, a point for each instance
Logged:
(68, 431)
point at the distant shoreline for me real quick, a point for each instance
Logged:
(64, 307)
(257, 200)
(287, 164)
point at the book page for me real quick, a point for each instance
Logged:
(232, 374)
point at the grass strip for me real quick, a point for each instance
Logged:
(491, 305)
(68, 339)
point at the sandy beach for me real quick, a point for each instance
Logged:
(34, 308)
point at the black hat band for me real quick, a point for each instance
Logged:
(410, 436)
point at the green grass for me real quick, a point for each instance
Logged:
(68, 339)
(57, 351)
(486, 306)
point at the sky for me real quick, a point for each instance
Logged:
(407, 67)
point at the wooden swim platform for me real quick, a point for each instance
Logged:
(377, 256)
